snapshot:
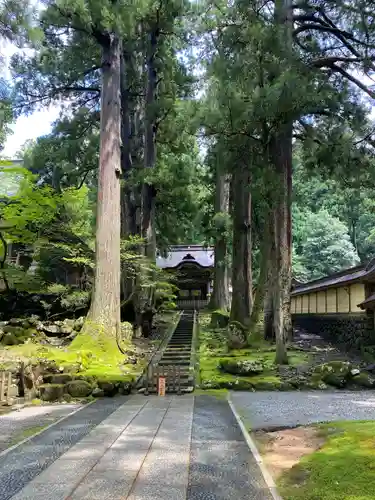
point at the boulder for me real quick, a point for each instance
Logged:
(266, 386)
(336, 380)
(335, 373)
(16, 321)
(79, 388)
(51, 329)
(109, 388)
(78, 323)
(219, 319)
(61, 378)
(236, 335)
(51, 392)
(10, 339)
(98, 393)
(364, 379)
(245, 367)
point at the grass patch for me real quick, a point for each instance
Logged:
(213, 348)
(344, 468)
(217, 393)
(26, 433)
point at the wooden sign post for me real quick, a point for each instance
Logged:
(161, 386)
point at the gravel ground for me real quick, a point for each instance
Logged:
(278, 409)
(221, 466)
(13, 425)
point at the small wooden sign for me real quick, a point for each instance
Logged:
(161, 386)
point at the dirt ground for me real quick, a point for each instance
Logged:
(284, 448)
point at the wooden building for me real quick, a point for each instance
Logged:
(340, 306)
(192, 267)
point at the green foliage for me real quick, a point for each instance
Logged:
(322, 246)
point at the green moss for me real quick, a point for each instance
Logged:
(213, 350)
(27, 433)
(342, 469)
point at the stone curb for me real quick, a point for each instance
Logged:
(254, 450)
(11, 448)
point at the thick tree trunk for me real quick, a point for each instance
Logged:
(271, 279)
(260, 293)
(148, 191)
(104, 314)
(241, 267)
(220, 293)
(282, 158)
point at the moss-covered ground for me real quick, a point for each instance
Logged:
(343, 468)
(213, 349)
(91, 356)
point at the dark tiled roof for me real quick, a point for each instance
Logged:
(347, 276)
(186, 253)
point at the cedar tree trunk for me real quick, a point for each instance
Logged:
(220, 293)
(241, 267)
(105, 305)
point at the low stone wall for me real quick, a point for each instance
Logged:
(352, 330)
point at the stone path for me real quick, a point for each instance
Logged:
(288, 409)
(137, 448)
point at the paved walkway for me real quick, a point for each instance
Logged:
(137, 448)
(287, 409)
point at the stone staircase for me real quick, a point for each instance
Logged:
(176, 361)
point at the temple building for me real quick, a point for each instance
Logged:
(192, 266)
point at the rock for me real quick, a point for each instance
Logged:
(298, 381)
(10, 339)
(316, 385)
(34, 320)
(108, 387)
(51, 329)
(51, 392)
(219, 319)
(61, 378)
(126, 387)
(266, 386)
(98, 393)
(341, 368)
(246, 367)
(364, 380)
(286, 386)
(336, 380)
(370, 368)
(78, 388)
(236, 335)
(18, 331)
(16, 322)
(78, 323)
(66, 329)
(238, 385)
(126, 330)
(354, 372)
(335, 373)
(26, 324)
